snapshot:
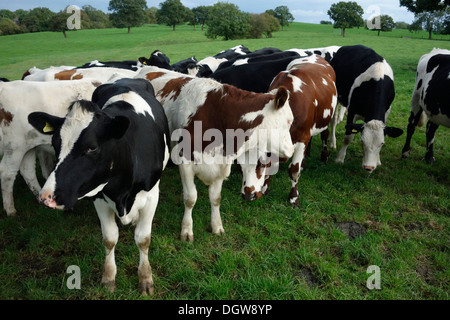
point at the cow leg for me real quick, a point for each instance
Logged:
(110, 233)
(28, 172)
(215, 190)
(45, 161)
(324, 137)
(333, 123)
(294, 171)
(9, 166)
(190, 198)
(431, 131)
(413, 120)
(142, 237)
(341, 154)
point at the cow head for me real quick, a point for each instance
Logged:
(256, 177)
(372, 139)
(84, 145)
(157, 59)
(274, 143)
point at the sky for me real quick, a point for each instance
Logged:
(311, 11)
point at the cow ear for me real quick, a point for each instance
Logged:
(281, 97)
(118, 126)
(393, 132)
(353, 128)
(44, 122)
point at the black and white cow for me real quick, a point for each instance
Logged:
(257, 73)
(113, 149)
(365, 86)
(208, 65)
(431, 97)
(133, 65)
(157, 59)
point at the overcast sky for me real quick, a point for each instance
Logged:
(312, 11)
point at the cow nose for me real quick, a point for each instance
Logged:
(369, 168)
(249, 196)
(47, 199)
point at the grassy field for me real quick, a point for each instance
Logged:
(397, 218)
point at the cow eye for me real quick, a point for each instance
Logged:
(91, 150)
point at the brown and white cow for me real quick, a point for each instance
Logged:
(313, 99)
(99, 74)
(212, 124)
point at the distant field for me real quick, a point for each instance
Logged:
(400, 213)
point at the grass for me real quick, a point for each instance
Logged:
(270, 250)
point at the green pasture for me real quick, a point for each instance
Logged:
(397, 218)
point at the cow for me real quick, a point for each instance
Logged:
(327, 52)
(244, 59)
(114, 149)
(186, 66)
(157, 59)
(209, 65)
(431, 98)
(201, 110)
(17, 100)
(365, 86)
(257, 74)
(134, 65)
(313, 99)
(4, 80)
(99, 74)
(47, 74)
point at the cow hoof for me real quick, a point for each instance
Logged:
(294, 202)
(405, 154)
(12, 213)
(430, 159)
(146, 288)
(185, 236)
(218, 231)
(110, 285)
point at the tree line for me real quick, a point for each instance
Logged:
(223, 19)
(429, 15)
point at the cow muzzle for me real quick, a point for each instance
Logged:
(370, 169)
(48, 199)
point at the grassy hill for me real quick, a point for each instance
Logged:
(397, 218)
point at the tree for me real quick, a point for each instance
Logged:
(283, 15)
(201, 14)
(151, 15)
(172, 13)
(418, 6)
(38, 19)
(263, 24)
(7, 26)
(346, 15)
(127, 13)
(428, 14)
(98, 19)
(430, 21)
(59, 22)
(227, 21)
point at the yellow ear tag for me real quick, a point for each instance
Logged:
(354, 131)
(47, 128)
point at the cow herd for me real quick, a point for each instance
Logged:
(107, 130)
